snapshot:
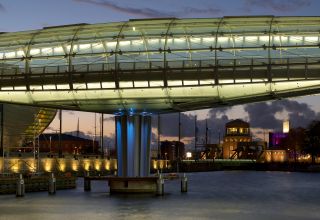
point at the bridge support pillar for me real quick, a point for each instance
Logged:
(133, 145)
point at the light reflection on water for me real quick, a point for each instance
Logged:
(212, 195)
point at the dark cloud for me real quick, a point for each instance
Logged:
(260, 116)
(149, 12)
(277, 5)
(300, 114)
(2, 8)
(146, 12)
(169, 125)
(263, 115)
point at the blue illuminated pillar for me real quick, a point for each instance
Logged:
(133, 134)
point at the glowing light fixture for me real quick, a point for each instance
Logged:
(156, 83)
(34, 51)
(84, 46)
(36, 87)
(208, 39)
(112, 44)
(226, 81)
(125, 84)
(20, 53)
(190, 82)
(124, 43)
(140, 83)
(63, 86)
(207, 81)
(94, 85)
(108, 85)
(243, 80)
(79, 86)
(58, 50)
(7, 88)
(49, 87)
(174, 82)
(311, 39)
(20, 88)
(10, 54)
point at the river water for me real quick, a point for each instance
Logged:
(211, 195)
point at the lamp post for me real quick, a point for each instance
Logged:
(165, 157)
(38, 166)
(50, 143)
(178, 144)
(102, 135)
(60, 131)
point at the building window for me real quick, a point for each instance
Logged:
(231, 130)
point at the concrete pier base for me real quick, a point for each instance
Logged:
(133, 184)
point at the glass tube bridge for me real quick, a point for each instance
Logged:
(161, 65)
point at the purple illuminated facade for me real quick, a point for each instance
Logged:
(276, 138)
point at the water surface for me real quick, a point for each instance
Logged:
(211, 195)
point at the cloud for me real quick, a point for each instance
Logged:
(108, 119)
(146, 12)
(260, 116)
(263, 115)
(149, 12)
(2, 8)
(277, 5)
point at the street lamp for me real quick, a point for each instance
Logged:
(188, 155)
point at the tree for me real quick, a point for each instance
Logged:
(295, 141)
(313, 140)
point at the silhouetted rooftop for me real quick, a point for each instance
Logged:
(64, 137)
(238, 123)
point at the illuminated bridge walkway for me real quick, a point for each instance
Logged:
(161, 65)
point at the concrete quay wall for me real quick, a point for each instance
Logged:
(31, 165)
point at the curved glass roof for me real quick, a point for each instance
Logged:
(24, 123)
(158, 53)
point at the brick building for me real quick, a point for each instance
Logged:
(70, 144)
(172, 150)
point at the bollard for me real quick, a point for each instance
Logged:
(52, 185)
(184, 183)
(20, 186)
(87, 183)
(160, 186)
